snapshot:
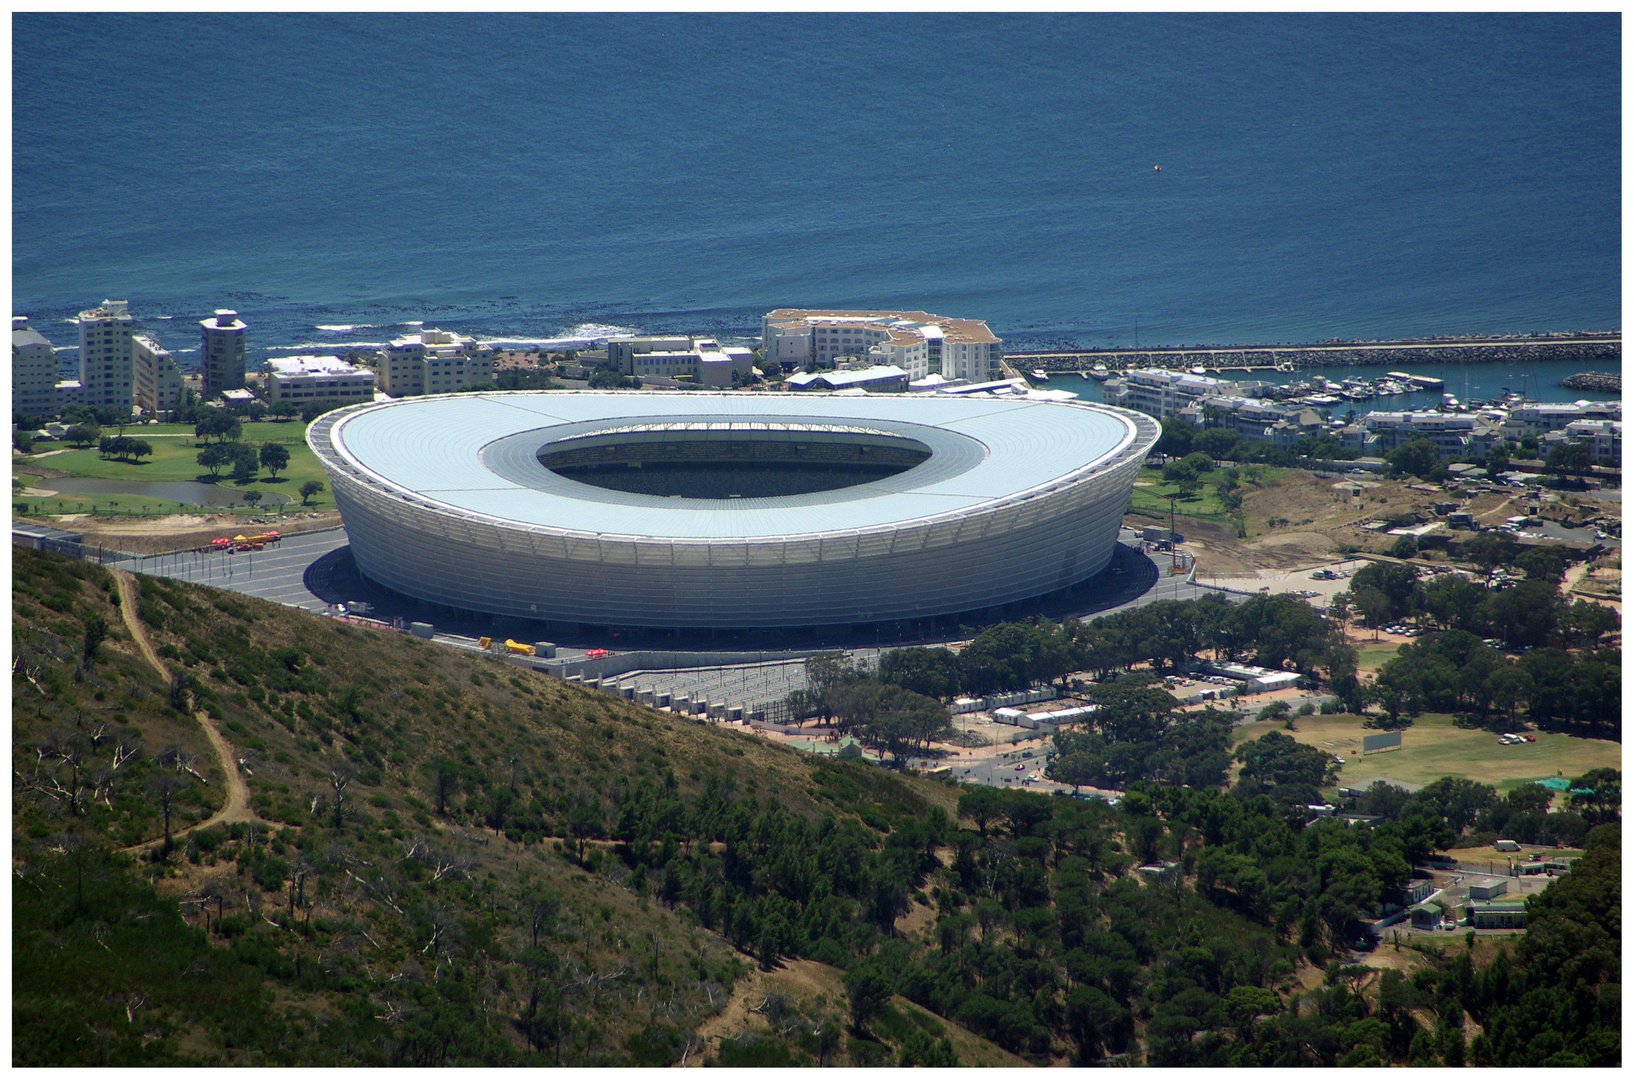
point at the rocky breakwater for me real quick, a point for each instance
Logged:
(1582, 348)
(1610, 382)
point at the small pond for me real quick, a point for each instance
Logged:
(182, 491)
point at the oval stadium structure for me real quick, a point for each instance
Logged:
(729, 510)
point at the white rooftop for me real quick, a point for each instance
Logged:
(476, 453)
(287, 366)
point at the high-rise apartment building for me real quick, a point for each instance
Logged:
(105, 375)
(158, 382)
(221, 353)
(33, 371)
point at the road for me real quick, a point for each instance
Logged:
(287, 573)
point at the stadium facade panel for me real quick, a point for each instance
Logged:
(449, 499)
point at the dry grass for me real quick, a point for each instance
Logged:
(1435, 747)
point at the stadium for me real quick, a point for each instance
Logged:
(705, 510)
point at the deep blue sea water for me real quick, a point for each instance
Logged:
(523, 176)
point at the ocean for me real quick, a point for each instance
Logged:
(1220, 178)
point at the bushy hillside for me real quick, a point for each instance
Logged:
(444, 859)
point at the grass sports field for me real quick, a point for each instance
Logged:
(1434, 747)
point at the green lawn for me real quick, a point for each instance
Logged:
(1150, 496)
(173, 459)
(1435, 747)
(258, 433)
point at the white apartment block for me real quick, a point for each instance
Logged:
(918, 342)
(702, 360)
(1247, 417)
(1160, 393)
(308, 380)
(1535, 418)
(1451, 433)
(1604, 439)
(33, 371)
(105, 376)
(433, 362)
(158, 386)
(221, 353)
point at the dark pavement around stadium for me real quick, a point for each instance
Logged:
(314, 571)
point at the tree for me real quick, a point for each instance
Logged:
(1289, 771)
(1374, 607)
(309, 489)
(444, 782)
(1570, 457)
(284, 408)
(584, 821)
(1452, 799)
(163, 789)
(1405, 547)
(981, 805)
(341, 775)
(1215, 442)
(253, 496)
(868, 987)
(1419, 458)
(1543, 563)
(1183, 474)
(83, 434)
(274, 456)
(1177, 437)
(245, 461)
(1200, 461)
(931, 672)
(214, 457)
(96, 631)
(218, 423)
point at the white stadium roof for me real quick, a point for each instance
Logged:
(476, 454)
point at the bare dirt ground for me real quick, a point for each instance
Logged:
(1301, 521)
(800, 980)
(1220, 553)
(147, 536)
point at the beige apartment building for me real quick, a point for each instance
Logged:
(433, 362)
(158, 383)
(33, 371)
(105, 375)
